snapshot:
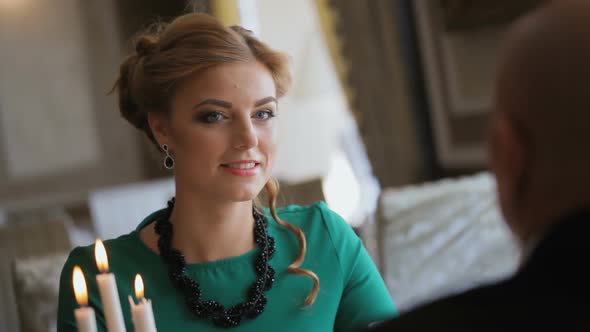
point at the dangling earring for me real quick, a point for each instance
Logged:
(168, 161)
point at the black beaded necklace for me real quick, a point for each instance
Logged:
(191, 289)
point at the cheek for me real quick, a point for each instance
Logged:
(267, 143)
(199, 146)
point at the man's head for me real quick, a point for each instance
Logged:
(540, 126)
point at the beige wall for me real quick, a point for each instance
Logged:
(60, 135)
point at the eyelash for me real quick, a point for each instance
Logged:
(205, 117)
(271, 114)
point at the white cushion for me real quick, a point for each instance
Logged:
(444, 237)
(36, 290)
(118, 210)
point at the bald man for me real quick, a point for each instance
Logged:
(540, 154)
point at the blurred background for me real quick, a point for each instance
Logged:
(386, 122)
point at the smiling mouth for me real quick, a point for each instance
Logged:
(247, 165)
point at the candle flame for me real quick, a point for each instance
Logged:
(100, 254)
(80, 286)
(139, 292)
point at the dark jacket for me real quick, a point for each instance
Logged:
(550, 292)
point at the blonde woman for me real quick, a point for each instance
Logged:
(207, 96)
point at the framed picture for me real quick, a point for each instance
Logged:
(459, 71)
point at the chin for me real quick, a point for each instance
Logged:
(240, 191)
(243, 198)
(245, 194)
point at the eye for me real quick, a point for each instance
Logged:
(264, 115)
(211, 117)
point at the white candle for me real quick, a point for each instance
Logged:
(107, 286)
(142, 313)
(85, 318)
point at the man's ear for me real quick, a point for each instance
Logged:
(160, 127)
(508, 158)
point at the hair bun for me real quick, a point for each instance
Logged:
(242, 31)
(146, 45)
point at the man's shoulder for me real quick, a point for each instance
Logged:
(477, 310)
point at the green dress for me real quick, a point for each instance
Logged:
(352, 292)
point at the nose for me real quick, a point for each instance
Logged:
(245, 136)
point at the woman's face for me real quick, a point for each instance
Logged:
(222, 131)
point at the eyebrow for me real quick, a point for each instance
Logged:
(266, 101)
(225, 104)
(216, 102)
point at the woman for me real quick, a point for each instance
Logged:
(207, 95)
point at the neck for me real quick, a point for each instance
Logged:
(205, 230)
(545, 214)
